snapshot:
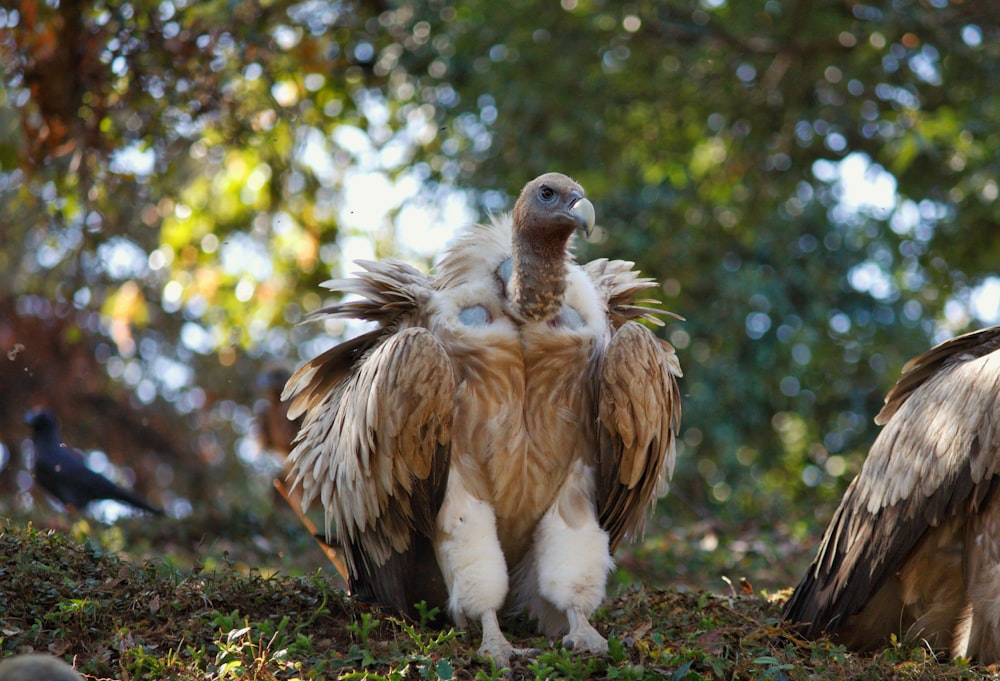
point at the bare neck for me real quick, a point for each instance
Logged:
(538, 278)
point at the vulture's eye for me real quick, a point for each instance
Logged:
(547, 194)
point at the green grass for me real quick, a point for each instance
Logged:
(119, 619)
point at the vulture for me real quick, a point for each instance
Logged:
(914, 548)
(505, 424)
(61, 472)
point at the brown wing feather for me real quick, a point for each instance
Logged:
(639, 413)
(316, 379)
(920, 368)
(933, 462)
(387, 291)
(620, 284)
(374, 440)
(375, 449)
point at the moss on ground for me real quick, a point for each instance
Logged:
(115, 618)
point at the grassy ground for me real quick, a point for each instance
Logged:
(73, 593)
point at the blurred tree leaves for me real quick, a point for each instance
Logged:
(183, 168)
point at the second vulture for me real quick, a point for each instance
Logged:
(914, 548)
(506, 424)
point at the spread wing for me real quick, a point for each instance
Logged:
(933, 462)
(639, 406)
(374, 440)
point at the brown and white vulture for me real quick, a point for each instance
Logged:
(914, 548)
(506, 424)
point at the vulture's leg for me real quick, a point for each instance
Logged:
(574, 559)
(473, 565)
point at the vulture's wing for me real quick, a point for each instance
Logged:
(934, 460)
(388, 293)
(620, 284)
(639, 406)
(374, 439)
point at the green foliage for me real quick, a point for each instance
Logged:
(426, 614)
(255, 647)
(115, 619)
(426, 644)
(363, 627)
(177, 178)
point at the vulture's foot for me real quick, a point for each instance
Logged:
(496, 645)
(582, 636)
(502, 652)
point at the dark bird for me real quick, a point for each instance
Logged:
(37, 667)
(504, 427)
(61, 471)
(914, 548)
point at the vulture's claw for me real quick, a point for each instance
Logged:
(496, 646)
(502, 652)
(582, 636)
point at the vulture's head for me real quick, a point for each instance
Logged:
(550, 208)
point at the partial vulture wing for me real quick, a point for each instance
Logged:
(389, 293)
(620, 284)
(933, 464)
(918, 370)
(639, 412)
(374, 441)
(376, 452)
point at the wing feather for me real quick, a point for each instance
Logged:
(378, 433)
(374, 441)
(389, 293)
(376, 453)
(639, 414)
(386, 290)
(620, 285)
(934, 461)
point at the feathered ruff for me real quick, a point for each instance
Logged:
(476, 253)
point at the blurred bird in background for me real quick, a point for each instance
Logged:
(37, 668)
(276, 432)
(61, 471)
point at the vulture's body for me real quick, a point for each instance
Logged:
(503, 428)
(914, 548)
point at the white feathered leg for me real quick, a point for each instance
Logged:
(572, 560)
(473, 565)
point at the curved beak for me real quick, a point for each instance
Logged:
(583, 212)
